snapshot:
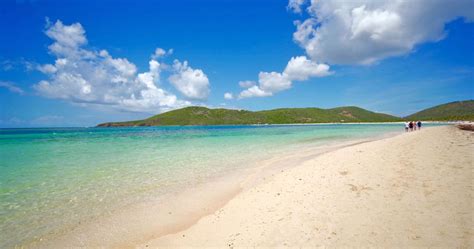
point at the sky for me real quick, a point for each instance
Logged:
(80, 63)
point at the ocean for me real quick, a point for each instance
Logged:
(52, 179)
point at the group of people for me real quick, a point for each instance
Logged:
(412, 126)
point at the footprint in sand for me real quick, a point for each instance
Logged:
(344, 173)
(359, 189)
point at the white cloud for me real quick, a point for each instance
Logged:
(367, 31)
(67, 35)
(159, 52)
(301, 68)
(192, 83)
(47, 69)
(68, 40)
(298, 69)
(247, 83)
(273, 81)
(89, 77)
(11, 87)
(295, 5)
(121, 66)
(254, 91)
(228, 96)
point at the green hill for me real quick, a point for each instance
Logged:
(204, 116)
(459, 110)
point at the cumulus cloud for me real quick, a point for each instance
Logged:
(301, 68)
(192, 83)
(159, 52)
(254, 91)
(358, 32)
(247, 83)
(47, 68)
(298, 69)
(273, 81)
(228, 96)
(295, 5)
(367, 31)
(90, 77)
(10, 86)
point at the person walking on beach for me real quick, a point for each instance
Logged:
(406, 126)
(414, 125)
(410, 125)
(418, 123)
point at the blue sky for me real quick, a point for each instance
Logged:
(387, 61)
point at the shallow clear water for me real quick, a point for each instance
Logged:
(53, 178)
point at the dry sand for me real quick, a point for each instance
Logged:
(412, 190)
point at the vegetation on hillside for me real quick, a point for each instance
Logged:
(459, 110)
(204, 116)
(195, 115)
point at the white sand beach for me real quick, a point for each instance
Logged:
(411, 190)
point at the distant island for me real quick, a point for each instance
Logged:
(195, 115)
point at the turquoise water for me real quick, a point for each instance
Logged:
(51, 179)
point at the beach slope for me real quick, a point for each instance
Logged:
(411, 190)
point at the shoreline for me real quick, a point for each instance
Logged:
(413, 205)
(284, 124)
(288, 124)
(142, 221)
